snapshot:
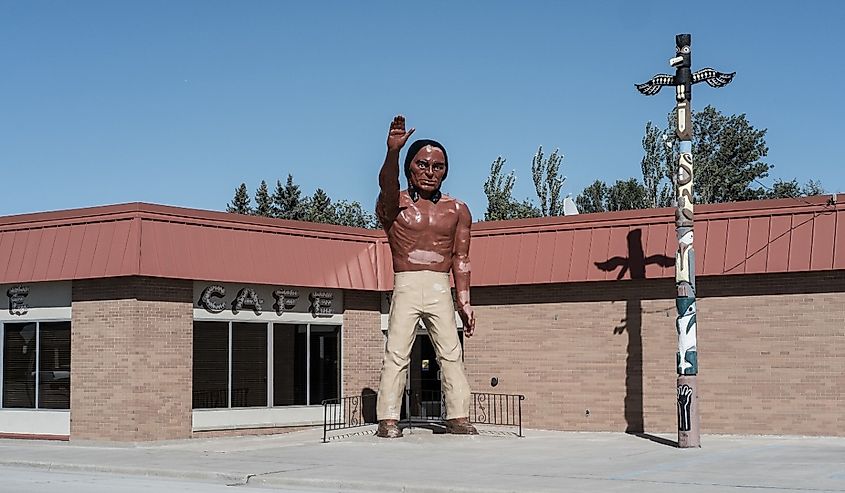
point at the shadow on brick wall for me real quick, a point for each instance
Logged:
(635, 262)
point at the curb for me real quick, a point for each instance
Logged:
(228, 478)
(351, 485)
(258, 479)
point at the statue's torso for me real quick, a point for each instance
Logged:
(422, 236)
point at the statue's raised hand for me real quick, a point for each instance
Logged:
(397, 136)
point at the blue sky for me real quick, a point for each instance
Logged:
(177, 102)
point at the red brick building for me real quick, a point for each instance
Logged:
(144, 322)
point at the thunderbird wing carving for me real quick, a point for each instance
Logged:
(712, 77)
(653, 86)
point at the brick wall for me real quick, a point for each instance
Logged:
(771, 354)
(131, 345)
(363, 342)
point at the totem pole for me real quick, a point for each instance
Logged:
(687, 356)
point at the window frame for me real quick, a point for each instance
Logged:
(270, 354)
(37, 322)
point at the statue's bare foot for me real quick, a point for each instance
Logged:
(389, 428)
(460, 426)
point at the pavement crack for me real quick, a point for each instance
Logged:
(246, 479)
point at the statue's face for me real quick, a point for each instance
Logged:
(427, 169)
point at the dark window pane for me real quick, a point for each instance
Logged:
(325, 363)
(249, 364)
(211, 364)
(289, 365)
(19, 365)
(54, 365)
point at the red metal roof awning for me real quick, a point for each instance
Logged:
(788, 235)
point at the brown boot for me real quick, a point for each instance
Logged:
(389, 428)
(460, 426)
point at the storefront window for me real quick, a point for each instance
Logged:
(325, 363)
(54, 365)
(290, 370)
(232, 359)
(211, 364)
(249, 364)
(36, 365)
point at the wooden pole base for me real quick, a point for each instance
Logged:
(689, 421)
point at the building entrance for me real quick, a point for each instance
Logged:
(425, 397)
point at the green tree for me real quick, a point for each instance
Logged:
(498, 189)
(727, 155)
(352, 214)
(625, 195)
(523, 210)
(813, 187)
(263, 203)
(548, 182)
(784, 189)
(240, 203)
(500, 202)
(791, 189)
(657, 168)
(592, 198)
(288, 202)
(320, 208)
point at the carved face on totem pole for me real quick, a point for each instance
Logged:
(682, 63)
(683, 56)
(426, 166)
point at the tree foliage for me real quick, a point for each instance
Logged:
(320, 208)
(499, 191)
(263, 203)
(287, 202)
(626, 195)
(352, 214)
(240, 203)
(592, 199)
(621, 196)
(728, 161)
(498, 188)
(791, 189)
(727, 152)
(548, 182)
(656, 166)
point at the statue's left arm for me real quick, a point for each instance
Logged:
(461, 268)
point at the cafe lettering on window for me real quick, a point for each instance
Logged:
(218, 298)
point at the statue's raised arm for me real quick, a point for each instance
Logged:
(388, 201)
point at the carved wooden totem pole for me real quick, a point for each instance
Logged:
(687, 357)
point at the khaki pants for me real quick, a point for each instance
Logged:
(426, 296)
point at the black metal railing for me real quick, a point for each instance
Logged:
(497, 409)
(422, 407)
(425, 406)
(348, 412)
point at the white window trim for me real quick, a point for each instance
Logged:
(33, 421)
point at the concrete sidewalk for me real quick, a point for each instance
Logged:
(492, 462)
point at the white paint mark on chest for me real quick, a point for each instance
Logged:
(423, 257)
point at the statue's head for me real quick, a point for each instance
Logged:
(426, 166)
